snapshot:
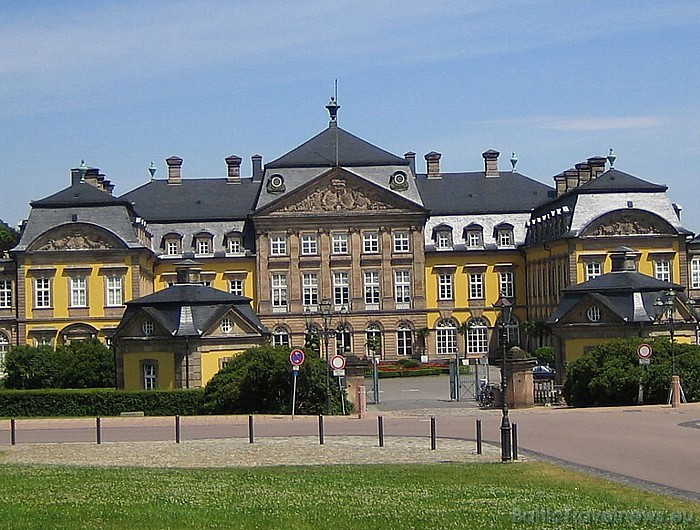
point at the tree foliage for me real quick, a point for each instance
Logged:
(81, 364)
(9, 237)
(260, 381)
(610, 374)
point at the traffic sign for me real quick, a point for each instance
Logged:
(296, 357)
(338, 362)
(644, 351)
(339, 373)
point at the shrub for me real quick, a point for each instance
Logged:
(27, 367)
(260, 381)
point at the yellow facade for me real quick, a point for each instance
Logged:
(212, 362)
(216, 272)
(133, 379)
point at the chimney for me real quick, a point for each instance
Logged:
(257, 167)
(233, 163)
(411, 158)
(433, 163)
(584, 172)
(571, 176)
(623, 259)
(597, 164)
(491, 163)
(560, 182)
(174, 169)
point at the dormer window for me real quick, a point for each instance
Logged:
(203, 244)
(504, 235)
(234, 244)
(442, 235)
(474, 236)
(172, 244)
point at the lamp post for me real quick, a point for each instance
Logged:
(326, 320)
(667, 308)
(506, 309)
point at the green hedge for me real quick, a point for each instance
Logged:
(99, 402)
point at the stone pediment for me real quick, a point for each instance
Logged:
(337, 194)
(628, 223)
(76, 237)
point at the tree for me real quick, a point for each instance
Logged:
(9, 237)
(86, 364)
(28, 367)
(545, 355)
(260, 381)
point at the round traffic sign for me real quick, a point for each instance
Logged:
(338, 362)
(644, 351)
(296, 357)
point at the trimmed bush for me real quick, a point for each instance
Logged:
(99, 402)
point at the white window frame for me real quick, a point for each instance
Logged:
(4, 348)
(343, 341)
(78, 291)
(402, 289)
(372, 289)
(340, 244)
(370, 242)
(278, 291)
(43, 292)
(445, 286)
(147, 327)
(475, 238)
(236, 286)
(445, 337)
(504, 237)
(278, 245)
(341, 288)
(234, 245)
(476, 286)
(309, 286)
(5, 294)
(506, 283)
(662, 270)
(280, 336)
(114, 290)
(150, 375)
(443, 239)
(226, 325)
(477, 337)
(404, 340)
(402, 242)
(695, 273)
(309, 245)
(204, 245)
(593, 269)
(173, 246)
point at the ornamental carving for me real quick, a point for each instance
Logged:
(629, 224)
(77, 240)
(337, 196)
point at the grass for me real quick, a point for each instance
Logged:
(402, 497)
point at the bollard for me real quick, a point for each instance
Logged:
(380, 425)
(177, 429)
(432, 433)
(515, 441)
(251, 438)
(320, 429)
(98, 428)
(13, 431)
(478, 437)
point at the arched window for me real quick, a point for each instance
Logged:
(477, 337)
(374, 339)
(343, 340)
(280, 336)
(446, 332)
(4, 347)
(404, 340)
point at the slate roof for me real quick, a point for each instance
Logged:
(200, 199)
(79, 194)
(618, 181)
(320, 151)
(474, 192)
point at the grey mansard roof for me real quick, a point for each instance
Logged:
(194, 199)
(77, 195)
(474, 192)
(320, 151)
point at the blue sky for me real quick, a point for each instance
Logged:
(123, 83)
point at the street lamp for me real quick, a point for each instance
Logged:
(326, 319)
(506, 309)
(666, 308)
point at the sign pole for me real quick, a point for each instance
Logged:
(295, 375)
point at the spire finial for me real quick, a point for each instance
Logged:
(152, 170)
(513, 161)
(611, 158)
(333, 109)
(82, 169)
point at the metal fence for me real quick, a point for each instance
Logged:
(547, 393)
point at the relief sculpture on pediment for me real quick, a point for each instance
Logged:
(337, 196)
(76, 240)
(629, 224)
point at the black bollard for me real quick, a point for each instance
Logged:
(98, 428)
(433, 433)
(251, 438)
(478, 437)
(177, 429)
(320, 429)
(380, 425)
(515, 441)
(13, 431)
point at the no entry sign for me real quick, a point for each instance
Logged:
(644, 351)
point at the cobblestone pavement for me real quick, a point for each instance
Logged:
(236, 452)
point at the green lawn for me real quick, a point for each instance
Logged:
(334, 497)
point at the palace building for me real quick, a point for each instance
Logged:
(341, 238)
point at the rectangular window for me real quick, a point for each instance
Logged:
(443, 240)
(695, 273)
(446, 340)
(506, 284)
(341, 288)
(172, 247)
(404, 342)
(150, 376)
(204, 245)
(309, 284)
(505, 238)
(5, 294)
(370, 242)
(445, 291)
(309, 245)
(474, 239)
(401, 242)
(476, 286)
(278, 246)
(372, 289)
(115, 290)
(235, 287)
(234, 245)
(78, 291)
(278, 284)
(402, 289)
(662, 270)
(593, 269)
(340, 244)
